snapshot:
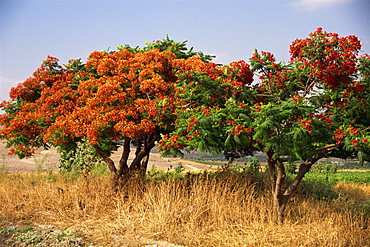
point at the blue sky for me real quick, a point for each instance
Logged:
(231, 30)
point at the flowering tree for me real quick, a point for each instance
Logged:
(119, 98)
(315, 106)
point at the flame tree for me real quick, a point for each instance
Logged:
(119, 98)
(315, 106)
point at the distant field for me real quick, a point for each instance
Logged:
(343, 175)
(220, 160)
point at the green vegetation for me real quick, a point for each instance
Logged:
(335, 177)
(31, 236)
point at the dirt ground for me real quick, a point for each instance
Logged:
(49, 160)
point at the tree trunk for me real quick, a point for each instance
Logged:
(106, 158)
(110, 163)
(122, 174)
(280, 192)
(279, 200)
(138, 166)
(143, 148)
(279, 206)
(144, 165)
(123, 166)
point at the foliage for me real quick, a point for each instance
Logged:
(291, 167)
(325, 167)
(296, 110)
(179, 168)
(64, 235)
(83, 159)
(253, 165)
(201, 122)
(177, 48)
(29, 237)
(32, 236)
(315, 106)
(345, 176)
(159, 175)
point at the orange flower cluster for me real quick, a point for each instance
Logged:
(115, 95)
(42, 99)
(123, 93)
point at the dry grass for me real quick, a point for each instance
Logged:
(203, 210)
(358, 193)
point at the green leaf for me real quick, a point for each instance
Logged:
(259, 134)
(361, 157)
(297, 154)
(201, 147)
(228, 139)
(347, 141)
(244, 116)
(237, 140)
(275, 156)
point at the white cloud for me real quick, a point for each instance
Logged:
(309, 5)
(5, 85)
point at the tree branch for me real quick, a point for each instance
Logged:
(123, 166)
(106, 158)
(328, 148)
(303, 169)
(280, 178)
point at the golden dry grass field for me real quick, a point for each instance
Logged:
(204, 209)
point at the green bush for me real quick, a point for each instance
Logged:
(179, 168)
(253, 165)
(82, 160)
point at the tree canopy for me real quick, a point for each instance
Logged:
(122, 97)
